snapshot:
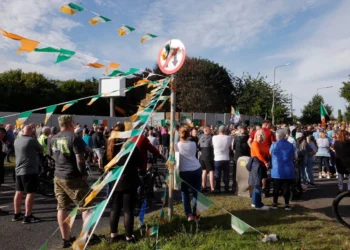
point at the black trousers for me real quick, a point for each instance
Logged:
(279, 184)
(125, 200)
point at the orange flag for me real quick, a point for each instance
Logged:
(112, 65)
(27, 45)
(95, 65)
(10, 35)
(120, 110)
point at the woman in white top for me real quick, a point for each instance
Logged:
(190, 172)
(323, 154)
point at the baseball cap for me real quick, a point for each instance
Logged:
(65, 119)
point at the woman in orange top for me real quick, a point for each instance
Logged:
(257, 150)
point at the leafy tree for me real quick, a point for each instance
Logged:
(345, 91)
(340, 116)
(311, 111)
(202, 86)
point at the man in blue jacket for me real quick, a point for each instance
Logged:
(282, 172)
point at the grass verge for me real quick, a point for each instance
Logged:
(298, 229)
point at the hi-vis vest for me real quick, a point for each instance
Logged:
(43, 142)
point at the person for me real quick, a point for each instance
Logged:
(43, 138)
(125, 193)
(342, 158)
(10, 138)
(303, 154)
(27, 151)
(282, 171)
(190, 172)
(269, 137)
(206, 159)
(221, 145)
(289, 137)
(312, 150)
(240, 148)
(68, 150)
(323, 154)
(3, 152)
(87, 138)
(39, 130)
(194, 138)
(99, 143)
(154, 141)
(257, 151)
(165, 142)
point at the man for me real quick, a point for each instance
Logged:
(269, 139)
(222, 144)
(99, 143)
(194, 138)
(282, 172)
(289, 137)
(316, 134)
(10, 139)
(3, 152)
(240, 148)
(308, 131)
(68, 150)
(165, 143)
(206, 159)
(43, 138)
(39, 130)
(154, 141)
(27, 169)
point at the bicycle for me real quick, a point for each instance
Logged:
(341, 208)
(46, 176)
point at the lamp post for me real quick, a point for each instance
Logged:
(273, 90)
(324, 88)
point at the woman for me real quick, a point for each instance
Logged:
(323, 154)
(124, 196)
(190, 172)
(310, 159)
(257, 151)
(87, 138)
(342, 158)
(303, 153)
(3, 150)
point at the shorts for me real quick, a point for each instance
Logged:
(98, 152)
(27, 183)
(70, 190)
(207, 165)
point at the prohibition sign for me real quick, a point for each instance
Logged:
(171, 57)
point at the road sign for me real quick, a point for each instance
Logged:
(171, 57)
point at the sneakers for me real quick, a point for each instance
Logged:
(30, 219)
(197, 218)
(68, 243)
(287, 208)
(320, 177)
(252, 205)
(328, 176)
(132, 240)
(18, 217)
(263, 208)
(190, 218)
(274, 206)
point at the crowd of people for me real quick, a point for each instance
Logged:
(207, 156)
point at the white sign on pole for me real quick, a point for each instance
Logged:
(172, 56)
(108, 85)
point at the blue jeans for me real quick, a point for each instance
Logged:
(303, 168)
(222, 166)
(194, 178)
(256, 198)
(309, 169)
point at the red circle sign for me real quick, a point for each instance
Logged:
(171, 57)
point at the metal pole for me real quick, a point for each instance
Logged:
(111, 107)
(172, 146)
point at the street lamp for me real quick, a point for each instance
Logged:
(324, 88)
(273, 90)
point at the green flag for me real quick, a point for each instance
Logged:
(324, 115)
(116, 73)
(203, 203)
(22, 117)
(98, 210)
(2, 119)
(47, 49)
(44, 246)
(49, 112)
(131, 71)
(64, 55)
(238, 225)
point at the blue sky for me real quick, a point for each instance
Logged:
(244, 36)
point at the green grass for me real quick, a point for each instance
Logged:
(298, 229)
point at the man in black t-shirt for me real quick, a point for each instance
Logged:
(68, 150)
(98, 145)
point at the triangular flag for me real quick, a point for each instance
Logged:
(99, 19)
(163, 199)
(47, 49)
(27, 45)
(49, 112)
(44, 246)
(153, 230)
(127, 148)
(2, 119)
(116, 73)
(124, 30)
(142, 212)
(66, 106)
(64, 55)
(71, 217)
(95, 65)
(125, 134)
(324, 115)
(141, 82)
(162, 216)
(22, 117)
(128, 126)
(112, 65)
(93, 99)
(203, 203)
(131, 71)
(10, 35)
(147, 37)
(71, 9)
(238, 225)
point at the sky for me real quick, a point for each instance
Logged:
(243, 36)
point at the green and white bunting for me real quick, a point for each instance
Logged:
(2, 119)
(22, 117)
(93, 99)
(49, 112)
(238, 225)
(203, 203)
(64, 55)
(124, 30)
(116, 73)
(47, 49)
(71, 217)
(147, 37)
(99, 19)
(66, 106)
(131, 71)
(71, 9)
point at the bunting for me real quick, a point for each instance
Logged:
(187, 121)
(99, 19)
(203, 203)
(125, 134)
(131, 71)
(26, 44)
(64, 55)
(238, 225)
(71, 217)
(142, 212)
(116, 73)
(71, 9)
(124, 30)
(95, 65)
(147, 37)
(49, 112)
(127, 148)
(22, 117)
(153, 230)
(93, 99)
(112, 65)
(66, 106)
(45, 245)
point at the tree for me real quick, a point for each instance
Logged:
(340, 116)
(311, 111)
(345, 91)
(202, 86)
(254, 96)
